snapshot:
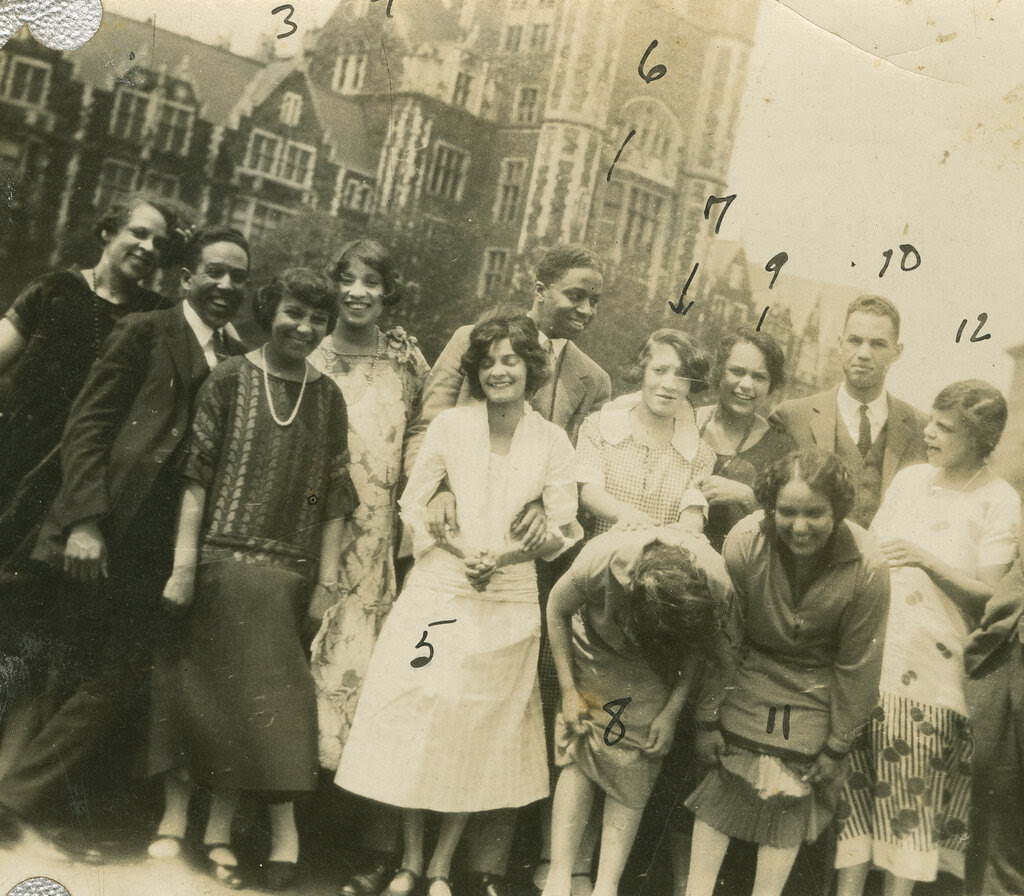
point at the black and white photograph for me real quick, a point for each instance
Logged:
(511, 447)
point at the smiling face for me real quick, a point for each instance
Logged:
(297, 329)
(362, 294)
(868, 348)
(665, 384)
(565, 307)
(502, 374)
(804, 518)
(745, 380)
(216, 288)
(135, 250)
(949, 442)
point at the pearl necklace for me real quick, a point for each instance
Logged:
(270, 400)
(935, 488)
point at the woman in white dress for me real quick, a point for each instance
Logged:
(449, 718)
(948, 529)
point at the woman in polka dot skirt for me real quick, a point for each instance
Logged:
(948, 529)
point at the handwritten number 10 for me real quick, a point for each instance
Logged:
(907, 251)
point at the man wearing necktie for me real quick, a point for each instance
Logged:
(873, 432)
(111, 527)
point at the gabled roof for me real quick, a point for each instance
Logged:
(263, 83)
(218, 76)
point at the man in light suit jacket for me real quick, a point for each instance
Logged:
(111, 528)
(875, 434)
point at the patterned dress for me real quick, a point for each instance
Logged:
(238, 708)
(382, 395)
(906, 802)
(660, 480)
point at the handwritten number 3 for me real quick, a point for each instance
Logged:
(614, 708)
(288, 21)
(656, 72)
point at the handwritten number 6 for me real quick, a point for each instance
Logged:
(656, 72)
(614, 708)
(420, 661)
(287, 19)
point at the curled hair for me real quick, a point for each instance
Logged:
(694, 362)
(564, 257)
(876, 305)
(506, 322)
(670, 612)
(822, 472)
(982, 408)
(771, 351)
(307, 286)
(207, 236)
(116, 216)
(375, 256)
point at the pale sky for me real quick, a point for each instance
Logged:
(865, 125)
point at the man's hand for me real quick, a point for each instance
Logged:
(530, 527)
(442, 521)
(85, 554)
(179, 590)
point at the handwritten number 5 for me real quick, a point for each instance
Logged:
(420, 661)
(614, 708)
(287, 19)
(656, 72)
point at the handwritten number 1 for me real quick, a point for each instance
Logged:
(656, 71)
(614, 708)
(629, 137)
(287, 19)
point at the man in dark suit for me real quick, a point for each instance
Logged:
(874, 433)
(994, 661)
(111, 527)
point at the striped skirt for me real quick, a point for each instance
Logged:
(905, 804)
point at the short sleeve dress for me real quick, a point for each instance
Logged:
(660, 480)
(244, 717)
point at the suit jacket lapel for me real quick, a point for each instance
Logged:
(180, 340)
(898, 435)
(823, 421)
(572, 384)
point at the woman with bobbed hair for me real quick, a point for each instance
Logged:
(811, 596)
(948, 529)
(449, 718)
(749, 366)
(640, 459)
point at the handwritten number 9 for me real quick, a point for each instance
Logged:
(656, 72)
(287, 19)
(614, 708)
(774, 265)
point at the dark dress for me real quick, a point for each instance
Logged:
(741, 467)
(64, 323)
(237, 705)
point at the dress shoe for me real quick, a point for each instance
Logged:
(489, 885)
(371, 879)
(280, 875)
(223, 872)
(75, 845)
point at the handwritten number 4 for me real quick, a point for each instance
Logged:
(287, 19)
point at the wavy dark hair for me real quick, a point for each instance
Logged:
(821, 470)
(695, 363)
(876, 305)
(670, 613)
(506, 322)
(980, 406)
(771, 351)
(308, 286)
(557, 260)
(373, 255)
(207, 236)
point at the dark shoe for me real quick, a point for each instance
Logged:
(11, 826)
(280, 875)
(371, 880)
(76, 846)
(404, 883)
(226, 874)
(490, 885)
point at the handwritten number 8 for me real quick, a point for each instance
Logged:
(656, 72)
(614, 708)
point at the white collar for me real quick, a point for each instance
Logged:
(557, 345)
(202, 330)
(849, 407)
(615, 424)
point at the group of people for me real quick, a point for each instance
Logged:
(791, 623)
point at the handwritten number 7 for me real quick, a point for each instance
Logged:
(614, 708)
(656, 72)
(287, 19)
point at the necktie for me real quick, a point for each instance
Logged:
(220, 345)
(864, 433)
